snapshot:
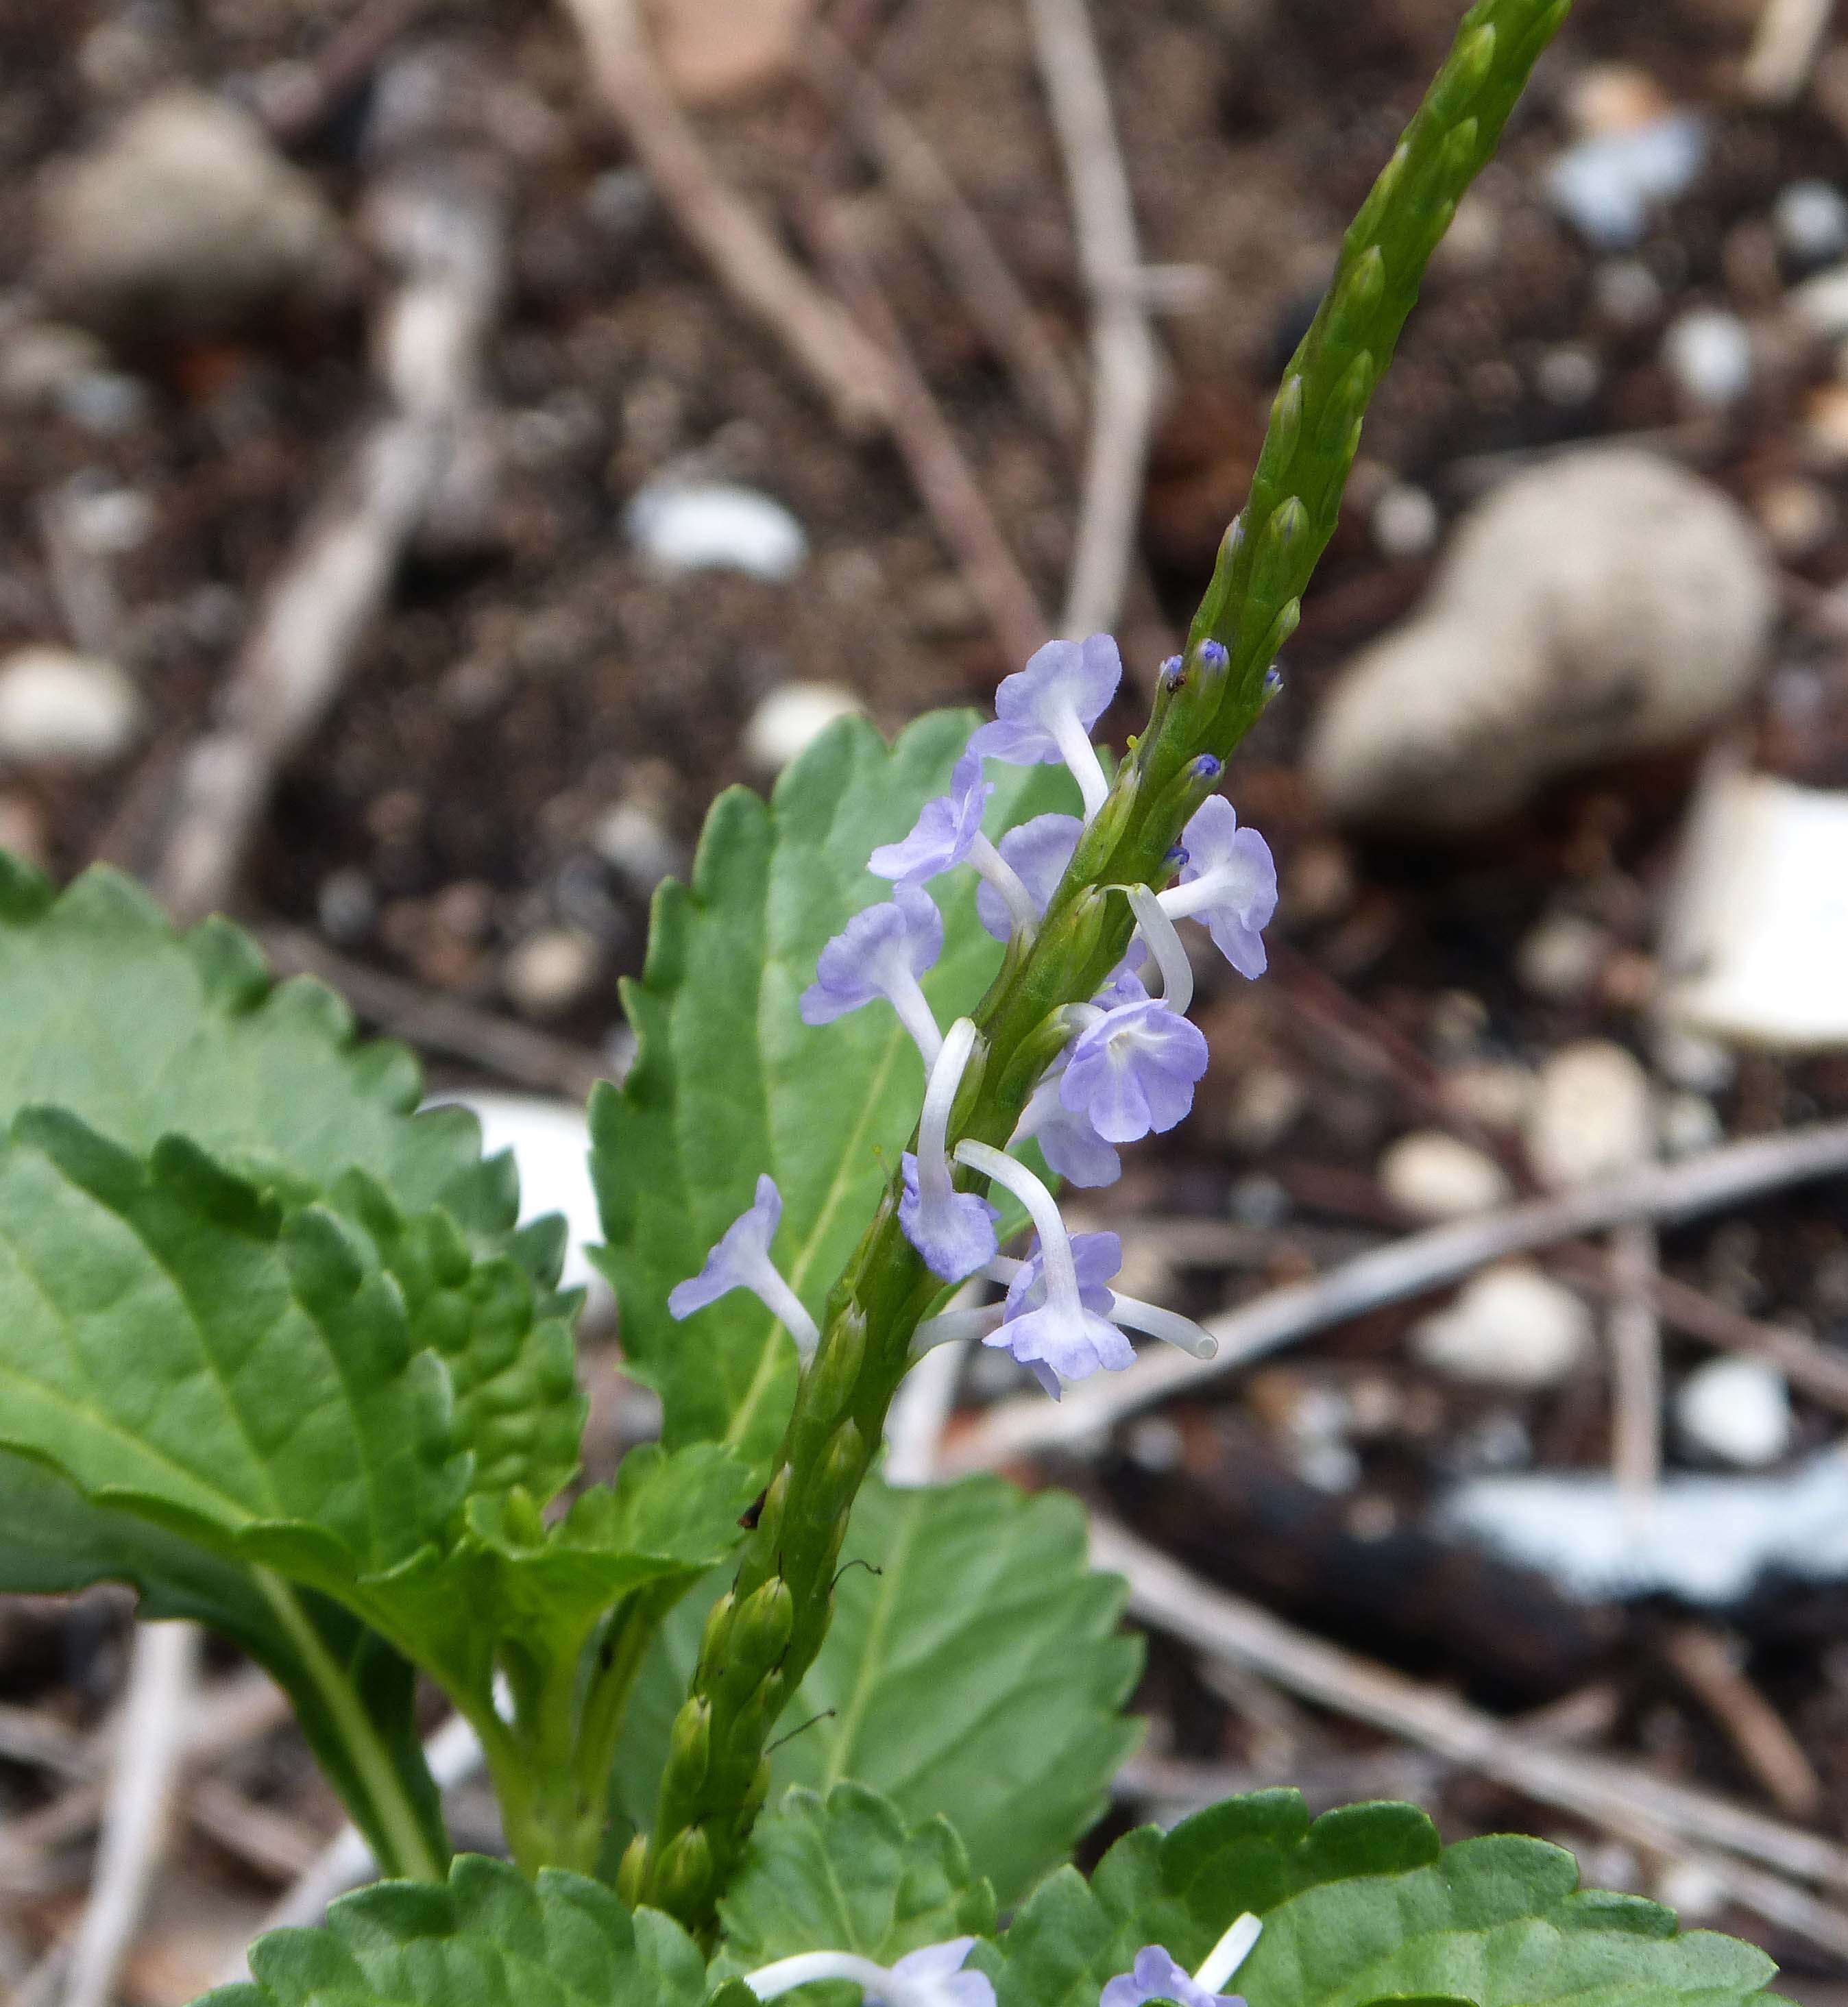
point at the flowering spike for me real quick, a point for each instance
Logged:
(1133, 1070)
(1173, 674)
(882, 952)
(1036, 854)
(1046, 711)
(953, 1231)
(740, 1259)
(1069, 1331)
(1230, 882)
(932, 1978)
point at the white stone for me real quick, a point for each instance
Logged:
(1593, 1116)
(1821, 303)
(1736, 1410)
(1686, 1124)
(633, 841)
(1708, 352)
(716, 526)
(185, 220)
(1603, 604)
(551, 972)
(1703, 1066)
(1405, 521)
(1811, 221)
(1434, 1176)
(1510, 1327)
(551, 1142)
(40, 361)
(1607, 184)
(1496, 1093)
(60, 707)
(790, 718)
(1561, 956)
(1707, 1540)
(1759, 914)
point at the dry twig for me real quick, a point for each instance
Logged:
(1709, 1664)
(1125, 366)
(448, 232)
(1411, 1266)
(1635, 1335)
(1622, 1796)
(835, 356)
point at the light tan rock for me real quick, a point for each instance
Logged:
(1510, 1327)
(1604, 604)
(1593, 1117)
(717, 50)
(1434, 1176)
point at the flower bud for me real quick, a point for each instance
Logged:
(683, 1881)
(632, 1876)
(690, 1746)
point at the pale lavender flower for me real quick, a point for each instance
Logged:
(741, 1260)
(1156, 1976)
(882, 952)
(1046, 712)
(1133, 1070)
(953, 1231)
(945, 832)
(1097, 1257)
(1229, 881)
(1037, 852)
(932, 1978)
(1073, 1149)
(1065, 1336)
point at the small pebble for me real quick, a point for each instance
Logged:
(1406, 522)
(1266, 1107)
(790, 718)
(1560, 959)
(1510, 1327)
(1799, 516)
(1593, 1116)
(1434, 1176)
(1569, 376)
(550, 972)
(1615, 97)
(716, 526)
(58, 706)
(1736, 1410)
(41, 361)
(106, 402)
(1821, 302)
(1627, 293)
(1688, 1124)
(636, 845)
(1498, 1094)
(347, 907)
(1156, 1444)
(1704, 1066)
(1811, 221)
(1259, 1202)
(1708, 354)
(1606, 185)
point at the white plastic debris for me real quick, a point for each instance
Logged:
(1760, 916)
(58, 706)
(1605, 185)
(1434, 1176)
(1708, 352)
(551, 1142)
(716, 526)
(1706, 1539)
(1736, 1410)
(790, 719)
(1510, 1327)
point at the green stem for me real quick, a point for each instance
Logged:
(763, 1636)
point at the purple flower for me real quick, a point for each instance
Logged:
(1156, 1976)
(1046, 712)
(1067, 1328)
(953, 1231)
(1038, 852)
(882, 952)
(945, 831)
(1073, 1149)
(931, 1977)
(1229, 881)
(741, 1260)
(1133, 1070)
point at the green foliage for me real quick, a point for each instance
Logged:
(486, 1939)
(728, 1082)
(845, 1871)
(975, 1668)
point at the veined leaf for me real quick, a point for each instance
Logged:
(975, 1668)
(486, 1939)
(729, 1083)
(1362, 1906)
(170, 1340)
(352, 1694)
(845, 1873)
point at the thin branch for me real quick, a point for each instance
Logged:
(150, 1742)
(835, 356)
(1421, 1262)
(1606, 1791)
(1635, 1330)
(1709, 1664)
(1126, 364)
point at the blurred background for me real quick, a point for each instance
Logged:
(443, 442)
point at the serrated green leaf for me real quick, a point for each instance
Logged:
(845, 1873)
(728, 1082)
(486, 1939)
(979, 1673)
(1497, 1922)
(1362, 1906)
(352, 1694)
(170, 1342)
